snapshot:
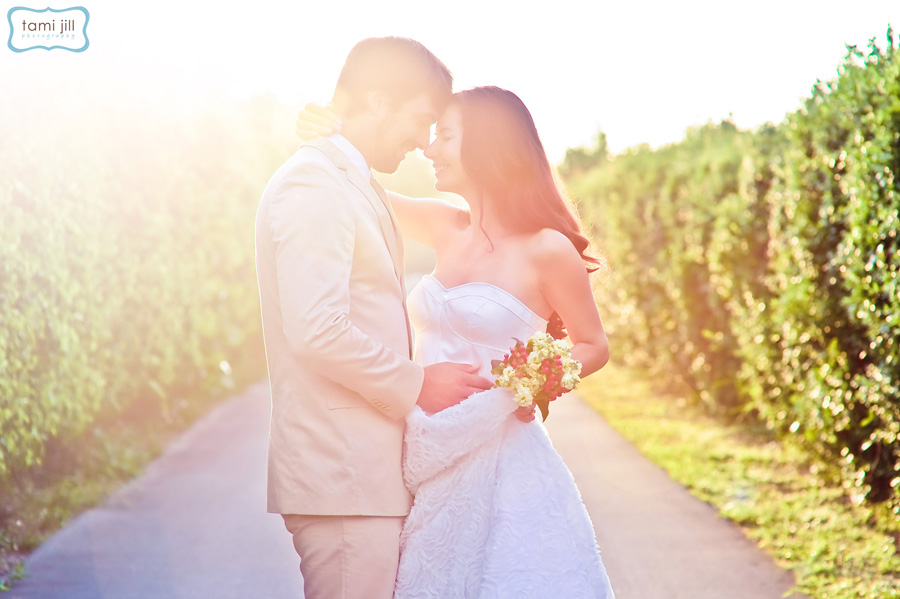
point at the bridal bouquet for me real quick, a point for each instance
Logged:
(538, 371)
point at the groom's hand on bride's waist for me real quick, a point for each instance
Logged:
(447, 383)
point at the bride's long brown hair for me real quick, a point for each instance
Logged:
(503, 154)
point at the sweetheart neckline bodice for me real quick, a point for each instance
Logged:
(471, 323)
(498, 289)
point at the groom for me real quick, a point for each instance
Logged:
(338, 344)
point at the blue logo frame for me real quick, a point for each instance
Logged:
(87, 18)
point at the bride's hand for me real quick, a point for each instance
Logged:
(525, 413)
(317, 121)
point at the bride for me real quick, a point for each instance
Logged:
(496, 513)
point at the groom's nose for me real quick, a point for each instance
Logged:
(423, 139)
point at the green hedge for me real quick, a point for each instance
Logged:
(762, 267)
(126, 264)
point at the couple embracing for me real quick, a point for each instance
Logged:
(398, 470)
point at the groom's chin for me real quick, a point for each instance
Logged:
(388, 167)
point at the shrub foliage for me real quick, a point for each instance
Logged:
(126, 264)
(762, 267)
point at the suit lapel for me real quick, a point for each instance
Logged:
(386, 218)
(395, 227)
(390, 230)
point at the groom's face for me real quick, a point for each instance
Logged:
(404, 127)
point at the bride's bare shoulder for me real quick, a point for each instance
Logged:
(551, 245)
(555, 257)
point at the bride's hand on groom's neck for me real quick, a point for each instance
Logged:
(447, 383)
(317, 121)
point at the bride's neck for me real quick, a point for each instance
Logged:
(484, 214)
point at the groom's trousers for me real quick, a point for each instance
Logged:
(347, 557)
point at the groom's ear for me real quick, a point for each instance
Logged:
(378, 103)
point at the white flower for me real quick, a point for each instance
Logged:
(506, 377)
(523, 394)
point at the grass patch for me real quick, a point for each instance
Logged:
(794, 507)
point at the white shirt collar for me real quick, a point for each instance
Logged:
(352, 153)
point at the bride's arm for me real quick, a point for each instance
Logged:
(427, 220)
(567, 288)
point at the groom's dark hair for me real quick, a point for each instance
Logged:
(399, 67)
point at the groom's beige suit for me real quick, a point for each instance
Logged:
(338, 345)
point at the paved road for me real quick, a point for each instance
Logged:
(658, 541)
(194, 525)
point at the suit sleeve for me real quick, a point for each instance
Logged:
(313, 229)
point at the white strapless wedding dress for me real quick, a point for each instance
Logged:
(497, 514)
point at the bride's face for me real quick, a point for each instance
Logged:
(444, 152)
